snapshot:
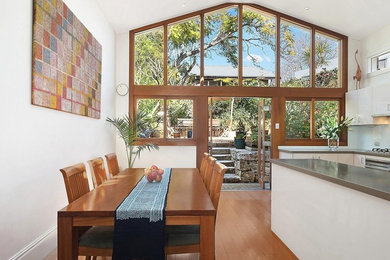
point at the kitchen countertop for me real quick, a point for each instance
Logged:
(369, 181)
(325, 149)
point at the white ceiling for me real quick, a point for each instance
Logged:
(354, 18)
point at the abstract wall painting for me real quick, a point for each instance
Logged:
(67, 61)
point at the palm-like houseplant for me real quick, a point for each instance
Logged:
(127, 129)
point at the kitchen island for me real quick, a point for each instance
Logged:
(327, 210)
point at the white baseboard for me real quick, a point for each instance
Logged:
(39, 248)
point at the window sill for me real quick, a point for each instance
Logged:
(378, 72)
(167, 142)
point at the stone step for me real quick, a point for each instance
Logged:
(221, 157)
(221, 144)
(220, 150)
(231, 178)
(230, 169)
(226, 162)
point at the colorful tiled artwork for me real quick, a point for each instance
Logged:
(67, 61)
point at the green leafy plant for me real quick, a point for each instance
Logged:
(127, 129)
(332, 129)
(240, 136)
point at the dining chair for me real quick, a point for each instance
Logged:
(112, 163)
(186, 239)
(93, 241)
(209, 172)
(98, 171)
(203, 165)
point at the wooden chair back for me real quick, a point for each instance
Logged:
(203, 166)
(98, 171)
(216, 183)
(112, 163)
(209, 171)
(76, 181)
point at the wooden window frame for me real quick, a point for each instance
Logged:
(277, 93)
(165, 141)
(312, 140)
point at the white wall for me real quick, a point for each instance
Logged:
(166, 156)
(364, 137)
(36, 142)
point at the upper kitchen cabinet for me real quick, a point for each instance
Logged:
(359, 105)
(381, 101)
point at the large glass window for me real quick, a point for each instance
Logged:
(258, 48)
(297, 119)
(177, 114)
(327, 61)
(323, 112)
(150, 116)
(184, 53)
(295, 55)
(149, 57)
(259, 52)
(380, 62)
(180, 118)
(221, 48)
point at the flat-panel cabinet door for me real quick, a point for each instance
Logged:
(305, 156)
(359, 160)
(328, 157)
(351, 106)
(381, 98)
(365, 106)
(346, 158)
(285, 155)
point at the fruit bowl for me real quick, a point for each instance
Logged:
(153, 173)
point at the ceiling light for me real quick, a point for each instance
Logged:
(307, 8)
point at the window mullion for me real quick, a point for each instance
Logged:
(202, 49)
(313, 59)
(165, 54)
(277, 62)
(165, 119)
(312, 120)
(240, 45)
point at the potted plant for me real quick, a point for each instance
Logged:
(127, 130)
(239, 140)
(173, 122)
(331, 130)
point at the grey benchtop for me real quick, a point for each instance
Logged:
(370, 181)
(323, 149)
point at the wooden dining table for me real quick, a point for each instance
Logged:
(188, 203)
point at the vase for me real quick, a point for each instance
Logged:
(333, 143)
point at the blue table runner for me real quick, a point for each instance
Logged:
(140, 221)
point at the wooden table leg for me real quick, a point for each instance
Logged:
(207, 237)
(66, 239)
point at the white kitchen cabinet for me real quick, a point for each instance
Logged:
(381, 101)
(351, 106)
(359, 160)
(346, 158)
(359, 105)
(333, 157)
(285, 155)
(324, 156)
(304, 156)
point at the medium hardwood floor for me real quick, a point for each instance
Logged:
(243, 229)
